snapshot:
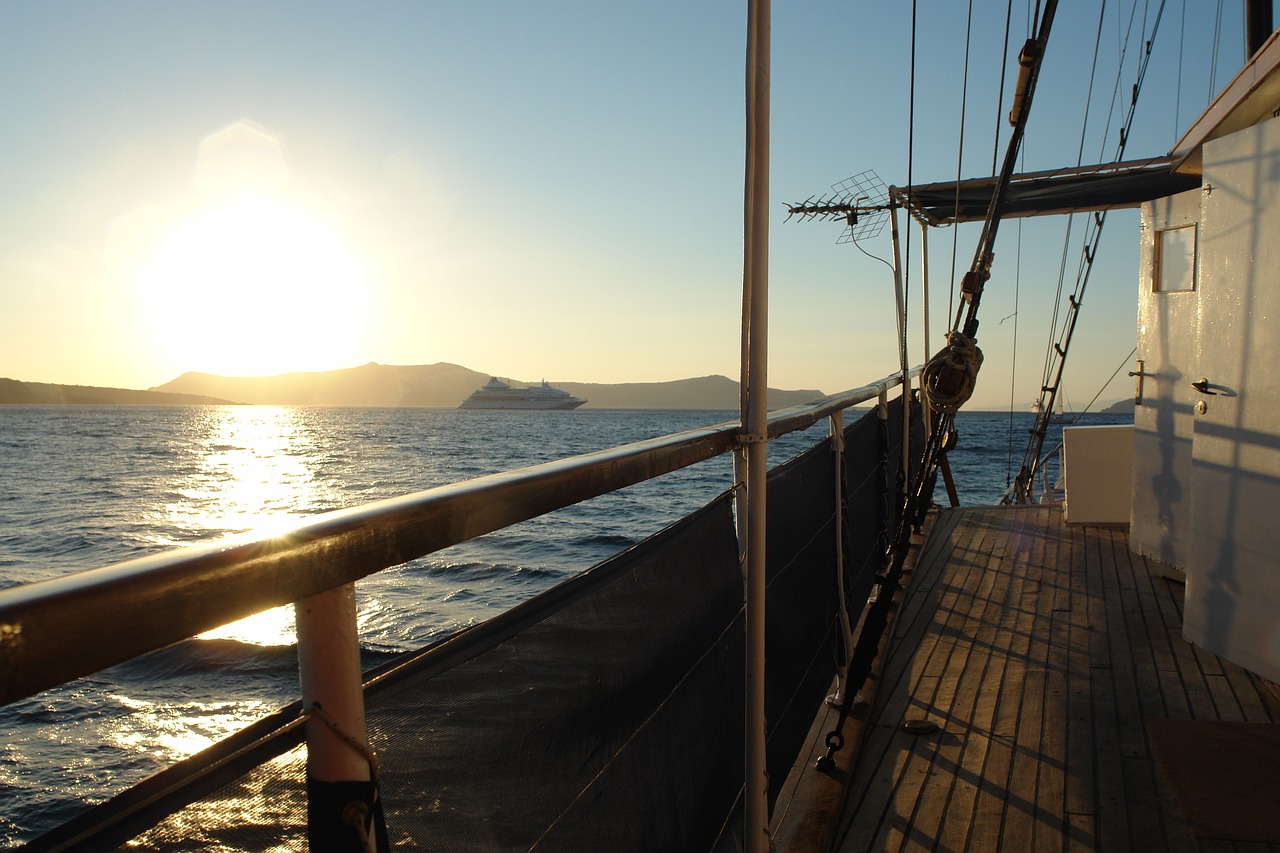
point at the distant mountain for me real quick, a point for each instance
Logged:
(14, 392)
(446, 385)
(1120, 407)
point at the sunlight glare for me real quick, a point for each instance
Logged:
(272, 627)
(254, 280)
(255, 285)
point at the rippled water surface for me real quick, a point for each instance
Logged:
(86, 487)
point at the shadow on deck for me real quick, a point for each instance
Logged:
(1041, 652)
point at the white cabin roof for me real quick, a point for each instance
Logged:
(1252, 96)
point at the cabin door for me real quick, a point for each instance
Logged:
(1168, 321)
(1233, 588)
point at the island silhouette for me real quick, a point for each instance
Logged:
(440, 385)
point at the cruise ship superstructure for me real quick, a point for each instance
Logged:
(496, 394)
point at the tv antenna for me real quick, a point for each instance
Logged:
(861, 201)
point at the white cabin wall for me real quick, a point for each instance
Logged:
(1168, 328)
(1233, 588)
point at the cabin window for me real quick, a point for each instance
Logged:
(1175, 259)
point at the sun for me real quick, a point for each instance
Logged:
(255, 283)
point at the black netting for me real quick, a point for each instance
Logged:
(604, 714)
(801, 609)
(615, 722)
(894, 475)
(899, 479)
(867, 507)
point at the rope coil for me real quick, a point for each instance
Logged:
(950, 376)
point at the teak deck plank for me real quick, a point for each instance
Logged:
(1040, 650)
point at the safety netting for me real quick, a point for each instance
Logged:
(870, 471)
(604, 714)
(801, 603)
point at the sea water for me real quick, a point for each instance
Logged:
(82, 487)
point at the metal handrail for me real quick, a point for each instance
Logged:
(60, 629)
(1042, 469)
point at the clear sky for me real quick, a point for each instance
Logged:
(534, 190)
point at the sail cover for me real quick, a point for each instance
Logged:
(1087, 188)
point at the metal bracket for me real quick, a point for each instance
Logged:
(1137, 385)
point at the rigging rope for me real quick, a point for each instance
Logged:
(1048, 364)
(1177, 96)
(1004, 70)
(1031, 59)
(1047, 368)
(903, 358)
(1093, 74)
(964, 100)
(953, 372)
(1110, 379)
(1213, 58)
(1057, 307)
(1052, 381)
(1013, 368)
(1017, 280)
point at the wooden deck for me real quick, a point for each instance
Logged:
(1040, 651)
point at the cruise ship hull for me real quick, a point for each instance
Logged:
(522, 404)
(497, 394)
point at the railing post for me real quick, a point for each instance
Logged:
(836, 425)
(887, 484)
(926, 413)
(341, 791)
(901, 305)
(755, 419)
(740, 497)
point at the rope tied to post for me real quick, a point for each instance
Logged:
(951, 375)
(357, 804)
(359, 746)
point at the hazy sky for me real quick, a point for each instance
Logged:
(547, 189)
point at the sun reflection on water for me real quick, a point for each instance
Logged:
(254, 471)
(172, 732)
(249, 469)
(251, 474)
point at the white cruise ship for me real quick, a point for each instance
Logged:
(497, 394)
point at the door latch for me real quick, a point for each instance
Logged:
(1204, 387)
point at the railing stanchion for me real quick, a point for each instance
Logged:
(755, 418)
(901, 306)
(339, 773)
(740, 497)
(836, 423)
(926, 410)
